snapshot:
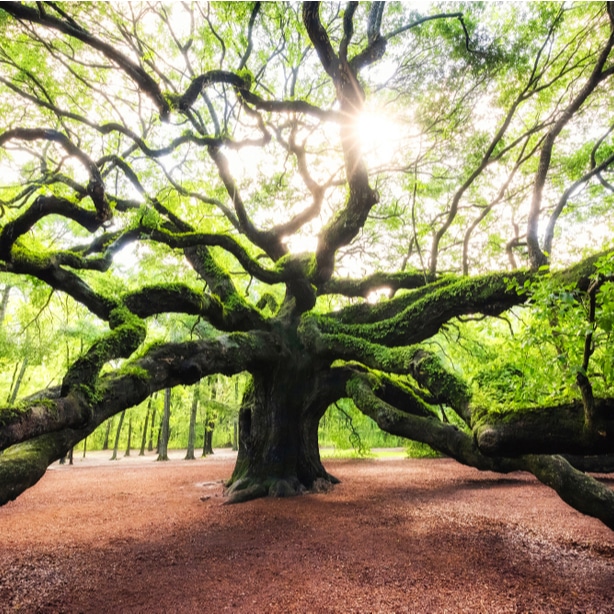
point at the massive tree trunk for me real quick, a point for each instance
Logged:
(278, 436)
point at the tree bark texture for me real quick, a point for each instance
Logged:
(278, 437)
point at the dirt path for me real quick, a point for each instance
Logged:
(395, 536)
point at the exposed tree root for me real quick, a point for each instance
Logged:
(247, 489)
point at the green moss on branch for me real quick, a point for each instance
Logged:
(488, 294)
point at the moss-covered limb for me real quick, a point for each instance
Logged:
(24, 464)
(488, 294)
(446, 387)
(74, 261)
(186, 363)
(424, 367)
(190, 239)
(443, 437)
(25, 262)
(40, 208)
(409, 280)
(127, 333)
(174, 298)
(347, 347)
(238, 314)
(577, 489)
(583, 492)
(546, 430)
(367, 313)
(40, 416)
(405, 397)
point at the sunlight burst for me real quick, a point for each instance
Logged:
(379, 136)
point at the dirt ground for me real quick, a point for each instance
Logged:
(395, 536)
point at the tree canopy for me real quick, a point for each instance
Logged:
(405, 207)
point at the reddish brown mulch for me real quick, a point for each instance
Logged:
(394, 536)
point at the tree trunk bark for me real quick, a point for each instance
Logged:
(208, 440)
(107, 433)
(278, 438)
(165, 427)
(117, 434)
(144, 434)
(192, 427)
(4, 303)
(151, 428)
(17, 383)
(208, 423)
(129, 444)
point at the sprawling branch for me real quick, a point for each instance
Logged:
(490, 295)
(192, 239)
(67, 420)
(269, 241)
(561, 429)
(554, 216)
(40, 208)
(71, 28)
(599, 74)
(46, 269)
(348, 222)
(579, 490)
(366, 285)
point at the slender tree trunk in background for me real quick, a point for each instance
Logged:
(152, 426)
(206, 410)
(4, 303)
(165, 427)
(68, 456)
(192, 428)
(144, 437)
(17, 382)
(129, 445)
(235, 423)
(117, 433)
(84, 447)
(107, 433)
(208, 447)
(206, 420)
(8, 397)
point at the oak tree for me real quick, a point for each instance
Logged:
(322, 189)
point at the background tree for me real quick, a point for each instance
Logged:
(144, 433)
(117, 435)
(326, 190)
(192, 425)
(165, 427)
